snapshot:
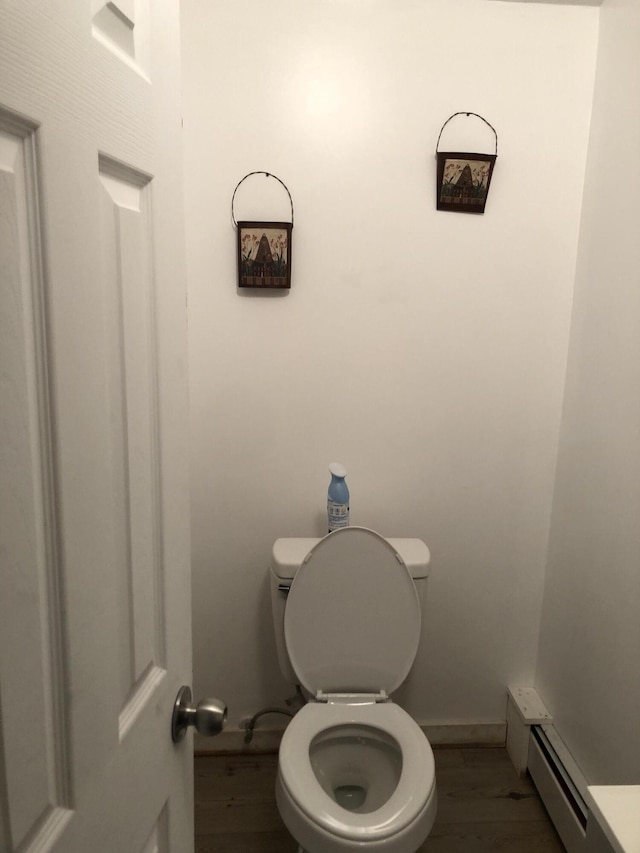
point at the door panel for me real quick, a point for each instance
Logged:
(127, 239)
(95, 631)
(32, 660)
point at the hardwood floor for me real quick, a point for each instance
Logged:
(483, 806)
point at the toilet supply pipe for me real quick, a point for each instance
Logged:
(251, 724)
(295, 702)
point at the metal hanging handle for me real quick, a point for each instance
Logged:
(268, 175)
(477, 115)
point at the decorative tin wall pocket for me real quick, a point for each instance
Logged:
(264, 248)
(463, 179)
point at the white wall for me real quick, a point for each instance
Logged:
(590, 638)
(424, 350)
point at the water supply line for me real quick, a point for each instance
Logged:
(251, 724)
(295, 702)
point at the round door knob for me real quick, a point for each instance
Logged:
(208, 717)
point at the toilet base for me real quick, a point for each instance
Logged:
(316, 840)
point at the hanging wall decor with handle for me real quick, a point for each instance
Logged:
(263, 248)
(462, 183)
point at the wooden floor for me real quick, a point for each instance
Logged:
(483, 806)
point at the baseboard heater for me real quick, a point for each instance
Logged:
(560, 785)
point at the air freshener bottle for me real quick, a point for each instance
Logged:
(338, 498)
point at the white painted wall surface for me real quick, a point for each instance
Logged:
(424, 350)
(590, 637)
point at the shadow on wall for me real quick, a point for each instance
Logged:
(270, 679)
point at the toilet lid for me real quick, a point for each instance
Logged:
(352, 620)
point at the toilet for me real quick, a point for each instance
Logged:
(355, 771)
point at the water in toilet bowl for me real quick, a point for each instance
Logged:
(357, 766)
(350, 797)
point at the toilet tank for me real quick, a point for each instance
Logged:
(287, 556)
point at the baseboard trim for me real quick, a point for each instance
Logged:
(231, 740)
(466, 734)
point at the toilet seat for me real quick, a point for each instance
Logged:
(415, 788)
(352, 621)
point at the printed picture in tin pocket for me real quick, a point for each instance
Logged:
(264, 254)
(463, 181)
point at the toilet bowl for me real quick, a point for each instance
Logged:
(355, 770)
(354, 777)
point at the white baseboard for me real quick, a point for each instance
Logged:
(443, 734)
(465, 734)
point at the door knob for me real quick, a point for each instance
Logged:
(208, 717)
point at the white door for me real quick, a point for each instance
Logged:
(95, 626)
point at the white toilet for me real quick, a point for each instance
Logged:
(356, 772)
